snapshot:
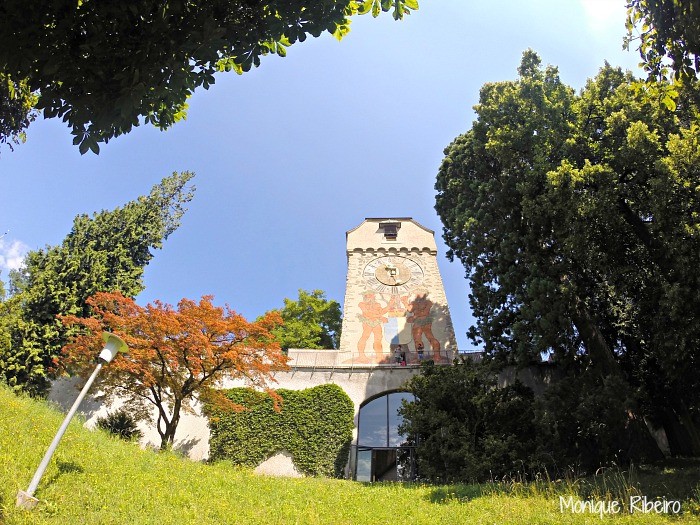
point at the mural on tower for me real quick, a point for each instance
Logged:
(395, 306)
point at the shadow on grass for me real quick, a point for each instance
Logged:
(63, 467)
(436, 493)
(464, 493)
(673, 478)
(677, 478)
(66, 467)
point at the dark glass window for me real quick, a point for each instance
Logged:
(390, 229)
(373, 424)
(396, 439)
(379, 421)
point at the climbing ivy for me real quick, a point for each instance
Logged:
(314, 425)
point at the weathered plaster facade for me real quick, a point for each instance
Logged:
(394, 296)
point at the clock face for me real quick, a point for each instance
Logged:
(392, 274)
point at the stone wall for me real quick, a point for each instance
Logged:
(192, 436)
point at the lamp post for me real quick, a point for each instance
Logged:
(113, 345)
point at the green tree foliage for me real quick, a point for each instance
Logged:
(10, 317)
(312, 321)
(469, 429)
(105, 252)
(577, 218)
(16, 110)
(668, 31)
(465, 429)
(105, 67)
(583, 422)
(314, 426)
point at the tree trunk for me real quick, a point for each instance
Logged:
(641, 440)
(681, 431)
(678, 441)
(601, 355)
(657, 251)
(167, 438)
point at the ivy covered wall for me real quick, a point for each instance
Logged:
(314, 425)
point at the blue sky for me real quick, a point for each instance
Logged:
(293, 154)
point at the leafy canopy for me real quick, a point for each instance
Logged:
(312, 321)
(577, 218)
(174, 354)
(105, 252)
(105, 67)
(16, 110)
(668, 34)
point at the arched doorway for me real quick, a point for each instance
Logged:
(381, 453)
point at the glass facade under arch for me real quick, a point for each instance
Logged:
(382, 453)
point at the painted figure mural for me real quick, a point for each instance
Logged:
(419, 315)
(403, 322)
(372, 319)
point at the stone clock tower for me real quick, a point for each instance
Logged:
(395, 309)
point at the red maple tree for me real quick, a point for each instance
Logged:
(176, 355)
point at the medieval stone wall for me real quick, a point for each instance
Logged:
(192, 436)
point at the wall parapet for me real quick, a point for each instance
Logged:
(308, 358)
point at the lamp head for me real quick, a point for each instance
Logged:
(113, 345)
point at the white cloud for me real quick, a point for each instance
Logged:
(12, 254)
(605, 15)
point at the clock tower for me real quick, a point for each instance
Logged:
(395, 309)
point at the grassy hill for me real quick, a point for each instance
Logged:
(97, 479)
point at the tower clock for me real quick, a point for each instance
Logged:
(393, 273)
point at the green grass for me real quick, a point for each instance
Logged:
(98, 479)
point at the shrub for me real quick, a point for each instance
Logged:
(120, 423)
(468, 429)
(314, 426)
(465, 428)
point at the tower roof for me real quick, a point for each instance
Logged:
(390, 232)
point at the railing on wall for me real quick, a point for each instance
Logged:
(474, 355)
(312, 359)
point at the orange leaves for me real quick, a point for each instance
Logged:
(181, 350)
(219, 400)
(174, 354)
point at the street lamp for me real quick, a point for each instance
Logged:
(113, 345)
